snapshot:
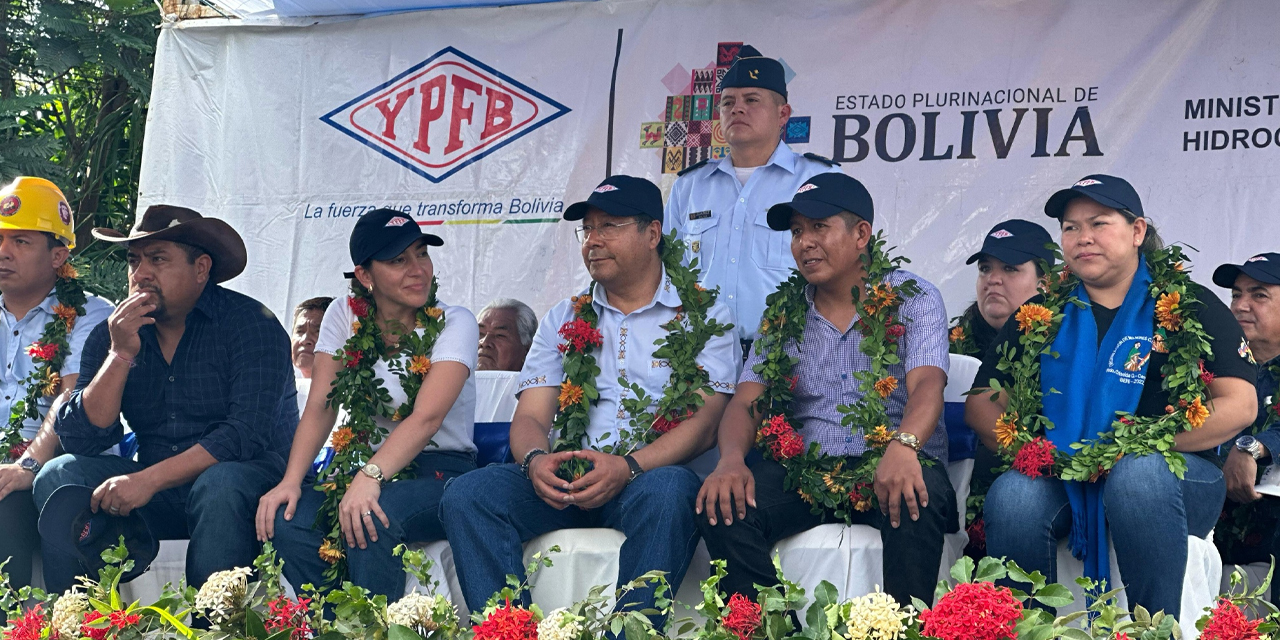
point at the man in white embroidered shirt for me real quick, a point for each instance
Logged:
(645, 493)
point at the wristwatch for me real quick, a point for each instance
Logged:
(372, 470)
(635, 467)
(30, 464)
(909, 439)
(528, 460)
(1250, 445)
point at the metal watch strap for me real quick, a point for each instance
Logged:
(902, 437)
(528, 458)
(375, 473)
(635, 467)
(27, 463)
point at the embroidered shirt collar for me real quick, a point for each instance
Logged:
(666, 296)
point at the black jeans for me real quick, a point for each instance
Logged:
(912, 552)
(20, 540)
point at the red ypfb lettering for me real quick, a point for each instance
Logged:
(432, 108)
(460, 113)
(497, 113)
(389, 112)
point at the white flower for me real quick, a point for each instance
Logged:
(560, 625)
(222, 596)
(68, 613)
(421, 612)
(875, 616)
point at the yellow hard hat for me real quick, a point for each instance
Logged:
(35, 204)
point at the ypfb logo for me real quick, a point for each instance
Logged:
(443, 114)
(1001, 234)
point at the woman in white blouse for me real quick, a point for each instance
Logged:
(393, 264)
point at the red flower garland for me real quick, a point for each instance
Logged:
(45, 352)
(286, 614)
(579, 335)
(785, 442)
(1035, 458)
(973, 611)
(508, 623)
(663, 425)
(353, 358)
(1228, 622)
(27, 627)
(358, 306)
(93, 633)
(743, 618)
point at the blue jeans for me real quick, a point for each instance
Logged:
(489, 513)
(412, 506)
(215, 512)
(1149, 513)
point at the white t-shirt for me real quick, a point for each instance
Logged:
(744, 174)
(459, 341)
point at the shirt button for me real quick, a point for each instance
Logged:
(15, 332)
(736, 227)
(844, 376)
(730, 297)
(848, 439)
(173, 416)
(844, 338)
(170, 378)
(742, 199)
(173, 448)
(734, 260)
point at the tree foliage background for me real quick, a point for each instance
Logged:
(75, 78)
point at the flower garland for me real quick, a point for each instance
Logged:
(961, 336)
(48, 353)
(1020, 429)
(364, 398)
(687, 333)
(822, 480)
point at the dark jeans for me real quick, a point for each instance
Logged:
(912, 552)
(412, 506)
(1149, 514)
(215, 512)
(490, 512)
(20, 539)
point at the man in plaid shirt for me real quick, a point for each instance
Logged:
(746, 508)
(204, 378)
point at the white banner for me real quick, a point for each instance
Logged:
(484, 123)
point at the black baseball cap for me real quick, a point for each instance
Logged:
(823, 196)
(69, 525)
(383, 234)
(1264, 267)
(752, 69)
(1108, 191)
(1016, 242)
(621, 196)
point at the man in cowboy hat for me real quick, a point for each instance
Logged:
(204, 378)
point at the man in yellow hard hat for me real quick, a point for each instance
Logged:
(46, 319)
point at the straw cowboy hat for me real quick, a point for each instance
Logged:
(179, 224)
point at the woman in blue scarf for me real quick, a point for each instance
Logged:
(1145, 510)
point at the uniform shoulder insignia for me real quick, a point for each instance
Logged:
(691, 167)
(824, 160)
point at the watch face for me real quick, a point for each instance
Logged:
(28, 463)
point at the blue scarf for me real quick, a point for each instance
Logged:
(1094, 380)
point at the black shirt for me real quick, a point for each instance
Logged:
(1225, 339)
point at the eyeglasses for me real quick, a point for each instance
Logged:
(606, 231)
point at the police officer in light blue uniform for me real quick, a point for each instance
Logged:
(718, 207)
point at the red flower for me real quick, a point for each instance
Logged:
(45, 352)
(353, 358)
(17, 450)
(27, 627)
(663, 424)
(439, 475)
(94, 633)
(1035, 458)
(784, 442)
(973, 611)
(283, 613)
(977, 531)
(1122, 636)
(359, 306)
(1205, 375)
(508, 623)
(1228, 622)
(579, 335)
(792, 381)
(743, 618)
(123, 619)
(895, 331)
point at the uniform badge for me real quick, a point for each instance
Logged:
(695, 246)
(699, 215)
(10, 205)
(1245, 352)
